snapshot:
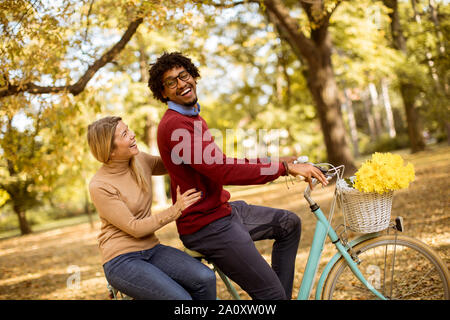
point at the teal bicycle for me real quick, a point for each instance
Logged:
(382, 265)
(377, 265)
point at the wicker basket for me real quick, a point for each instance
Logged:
(365, 212)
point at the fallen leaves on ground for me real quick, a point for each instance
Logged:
(65, 263)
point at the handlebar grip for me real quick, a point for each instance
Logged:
(302, 159)
(323, 170)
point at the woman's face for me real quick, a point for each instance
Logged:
(125, 145)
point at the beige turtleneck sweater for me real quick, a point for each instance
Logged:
(127, 224)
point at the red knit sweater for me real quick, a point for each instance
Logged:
(193, 160)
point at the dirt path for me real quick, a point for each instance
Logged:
(47, 265)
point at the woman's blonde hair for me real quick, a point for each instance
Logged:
(100, 138)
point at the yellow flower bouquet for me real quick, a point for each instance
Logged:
(367, 196)
(382, 173)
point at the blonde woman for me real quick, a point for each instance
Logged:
(134, 261)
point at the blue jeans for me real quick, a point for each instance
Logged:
(161, 273)
(229, 243)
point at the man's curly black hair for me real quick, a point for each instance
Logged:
(165, 63)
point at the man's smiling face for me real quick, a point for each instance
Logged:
(185, 91)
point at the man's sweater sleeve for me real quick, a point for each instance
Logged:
(207, 158)
(111, 208)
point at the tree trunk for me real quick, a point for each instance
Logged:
(408, 92)
(442, 84)
(322, 84)
(437, 27)
(368, 112)
(23, 223)
(447, 128)
(352, 123)
(316, 53)
(428, 54)
(375, 108)
(407, 88)
(388, 108)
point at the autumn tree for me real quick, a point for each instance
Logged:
(290, 62)
(36, 153)
(304, 25)
(48, 55)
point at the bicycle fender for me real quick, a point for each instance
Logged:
(335, 259)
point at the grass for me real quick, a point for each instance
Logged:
(60, 223)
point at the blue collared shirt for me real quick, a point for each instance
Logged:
(187, 111)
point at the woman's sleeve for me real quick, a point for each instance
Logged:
(155, 163)
(111, 208)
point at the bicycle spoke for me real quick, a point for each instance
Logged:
(418, 283)
(393, 265)
(398, 266)
(423, 290)
(384, 269)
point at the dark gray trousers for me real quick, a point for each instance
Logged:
(228, 242)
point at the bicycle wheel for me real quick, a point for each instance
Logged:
(400, 267)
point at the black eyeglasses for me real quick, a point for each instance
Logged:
(173, 82)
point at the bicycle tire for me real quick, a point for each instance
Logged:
(398, 266)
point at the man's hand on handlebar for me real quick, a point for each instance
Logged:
(308, 171)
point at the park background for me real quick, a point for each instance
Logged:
(338, 80)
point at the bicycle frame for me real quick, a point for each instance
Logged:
(336, 257)
(323, 228)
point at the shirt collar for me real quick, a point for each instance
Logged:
(187, 111)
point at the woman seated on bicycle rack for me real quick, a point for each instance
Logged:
(134, 261)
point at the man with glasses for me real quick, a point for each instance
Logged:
(221, 230)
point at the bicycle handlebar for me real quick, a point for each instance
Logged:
(329, 173)
(326, 172)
